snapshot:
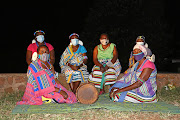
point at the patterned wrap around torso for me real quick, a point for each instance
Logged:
(74, 58)
(145, 93)
(41, 83)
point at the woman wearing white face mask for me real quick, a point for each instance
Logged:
(107, 66)
(141, 41)
(73, 63)
(42, 84)
(31, 54)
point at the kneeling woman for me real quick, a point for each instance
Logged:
(42, 84)
(139, 84)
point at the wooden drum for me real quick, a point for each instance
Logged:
(87, 93)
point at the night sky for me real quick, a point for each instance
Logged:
(19, 24)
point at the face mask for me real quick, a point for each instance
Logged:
(44, 57)
(140, 43)
(74, 41)
(40, 38)
(138, 56)
(104, 41)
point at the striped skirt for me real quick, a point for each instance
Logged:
(100, 79)
(79, 75)
(132, 97)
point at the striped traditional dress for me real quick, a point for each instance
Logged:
(145, 93)
(109, 77)
(74, 58)
(41, 84)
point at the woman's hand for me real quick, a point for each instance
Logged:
(111, 92)
(57, 81)
(64, 94)
(79, 66)
(102, 69)
(114, 94)
(73, 67)
(106, 68)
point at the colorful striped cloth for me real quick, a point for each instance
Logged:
(75, 59)
(41, 83)
(145, 93)
(109, 77)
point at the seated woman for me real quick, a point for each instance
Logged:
(42, 83)
(140, 40)
(73, 63)
(139, 84)
(107, 66)
(31, 54)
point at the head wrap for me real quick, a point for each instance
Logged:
(142, 48)
(39, 31)
(140, 37)
(73, 34)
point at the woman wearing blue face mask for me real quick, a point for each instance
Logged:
(139, 84)
(73, 62)
(31, 54)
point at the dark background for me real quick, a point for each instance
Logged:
(123, 20)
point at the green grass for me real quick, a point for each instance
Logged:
(170, 96)
(8, 102)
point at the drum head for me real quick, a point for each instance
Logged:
(87, 93)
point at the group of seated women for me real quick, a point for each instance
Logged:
(137, 85)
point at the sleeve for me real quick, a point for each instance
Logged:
(83, 50)
(149, 64)
(50, 47)
(113, 44)
(30, 47)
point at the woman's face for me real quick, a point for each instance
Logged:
(136, 51)
(74, 36)
(103, 37)
(139, 40)
(38, 33)
(42, 50)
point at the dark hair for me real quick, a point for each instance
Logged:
(105, 34)
(40, 47)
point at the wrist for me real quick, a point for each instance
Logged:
(100, 65)
(81, 65)
(68, 64)
(59, 90)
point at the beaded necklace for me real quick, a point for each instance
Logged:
(46, 66)
(38, 44)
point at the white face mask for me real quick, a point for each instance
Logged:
(75, 41)
(104, 41)
(40, 38)
(140, 43)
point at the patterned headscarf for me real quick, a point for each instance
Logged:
(39, 31)
(140, 37)
(73, 34)
(142, 48)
